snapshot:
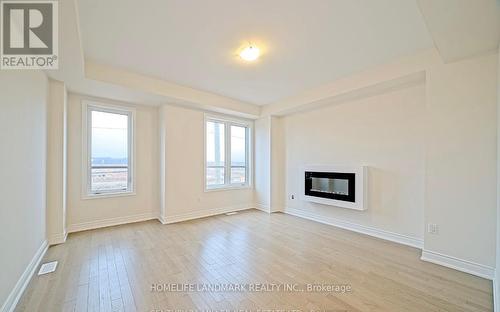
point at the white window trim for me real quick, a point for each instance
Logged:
(229, 121)
(86, 156)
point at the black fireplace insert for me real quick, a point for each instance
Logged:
(332, 185)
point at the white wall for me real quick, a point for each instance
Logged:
(461, 161)
(23, 104)
(496, 290)
(278, 158)
(144, 204)
(185, 195)
(269, 164)
(56, 162)
(385, 132)
(443, 159)
(262, 163)
(163, 161)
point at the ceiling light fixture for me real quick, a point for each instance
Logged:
(250, 53)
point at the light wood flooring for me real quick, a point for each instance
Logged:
(113, 269)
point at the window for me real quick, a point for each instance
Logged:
(108, 150)
(227, 151)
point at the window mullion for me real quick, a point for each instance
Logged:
(227, 175)
(247, 155)
(130, 143)
(89, 150)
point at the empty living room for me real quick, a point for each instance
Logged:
(264, 155)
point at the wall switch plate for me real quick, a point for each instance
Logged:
(432, 228)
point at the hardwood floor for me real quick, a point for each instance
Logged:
(114, 269)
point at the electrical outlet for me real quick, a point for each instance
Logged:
(432, 228)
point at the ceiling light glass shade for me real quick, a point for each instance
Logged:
(250, 53)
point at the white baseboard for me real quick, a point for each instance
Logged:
(162, 219)
(56, 239)
(383, 234)
(110, 222)
(16, 293)
(263, 207)
(203, 213)
(277, 208)
(268, 209)
(459, 264)
(496, 290)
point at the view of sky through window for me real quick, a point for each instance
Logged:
(109, 151)
(109, 138)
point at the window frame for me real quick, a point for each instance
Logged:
(228, 122)
(87, 108)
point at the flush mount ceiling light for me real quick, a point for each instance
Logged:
(250, 53)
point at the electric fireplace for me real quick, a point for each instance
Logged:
(334, 185)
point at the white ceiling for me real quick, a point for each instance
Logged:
(462, 28)
(305, 43)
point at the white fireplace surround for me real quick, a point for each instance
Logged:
(361, 182)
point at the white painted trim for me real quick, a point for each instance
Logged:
(59, 238)
(262, 207)
(244, 122)
(228, 122)
(204, 213)
(10, 303)
(87, 107)
(162, 219)
(375, 80)
(230, 187)
(109, 195)
(458, 264)
(277, 208)
(267, 208)
(363, 229)
(84, 226)
(496, 304)
(189, 97)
